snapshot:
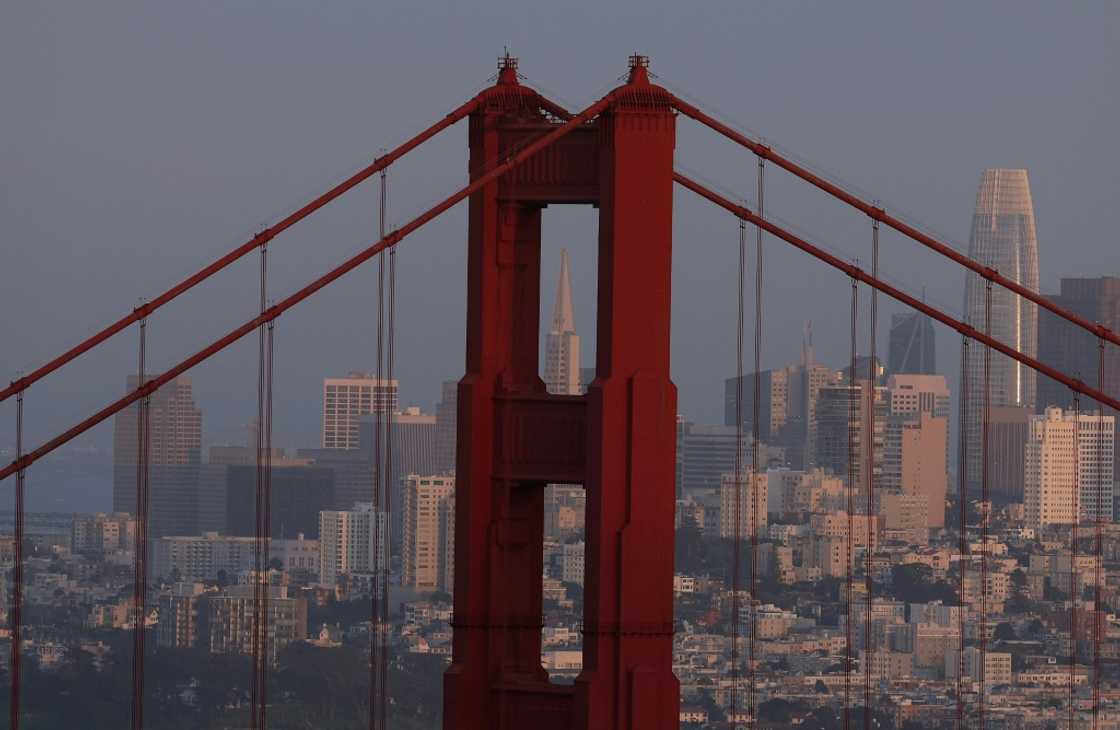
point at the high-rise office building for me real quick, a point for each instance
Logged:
(911, 344)
(299, 494)
(773, 402)
(561, 349)
(1003, 238)
(842, 431)
(351, 541)
(429, 532)
(1069, 464)
(914, 461)
(916, 447)
(445, 427)
(174, 446)
(1071, 349)
(1007, 438)
(346, 400)
(911, 394)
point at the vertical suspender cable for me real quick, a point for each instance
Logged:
(985, 508)
(266, 527)
(736, 543)
(962, 497)
(383, 687)
(853, 456)
(17, 575)
(1073, 549)
(378, 405)
(755, 505)
(1098, 621)
(140, 579)
(868, 646)
(258, 545)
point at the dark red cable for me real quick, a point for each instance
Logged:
(756, 443)
(139, 586)
(737, 534)
(962, 496)
(876, 213)
(868, 648)
(1098, 621)
(985, 508)
(893, 292)
(383, 574)
(1073, 551)
(16, 621)
(853, 455)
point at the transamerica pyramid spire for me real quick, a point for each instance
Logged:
(561, 366)
(563, 317)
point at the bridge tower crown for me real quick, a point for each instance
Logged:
(618, 440)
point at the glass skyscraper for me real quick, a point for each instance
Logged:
(1003, 237)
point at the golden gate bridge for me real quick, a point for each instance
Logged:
(528, 152)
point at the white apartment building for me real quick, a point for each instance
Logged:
(428, 544)
(205, 556)
(345, 400)
(571, 566)
(351, 541)
(1068, 468)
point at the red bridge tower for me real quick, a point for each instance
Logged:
(618, 440)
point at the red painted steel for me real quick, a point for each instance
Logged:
(879, 214)
(894, 293)
(293, 299)
(618, 440)
(244, 249)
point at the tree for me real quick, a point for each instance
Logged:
(1005, 632)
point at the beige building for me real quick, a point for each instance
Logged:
(206, 556)
(996, 666)
(791, 492)
(1068, 465)
(429, 532)
(906, 515)
(103, 533)
(346, 400)
(752, 498)
(915, 457)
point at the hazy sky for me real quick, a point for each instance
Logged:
(143, 139)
